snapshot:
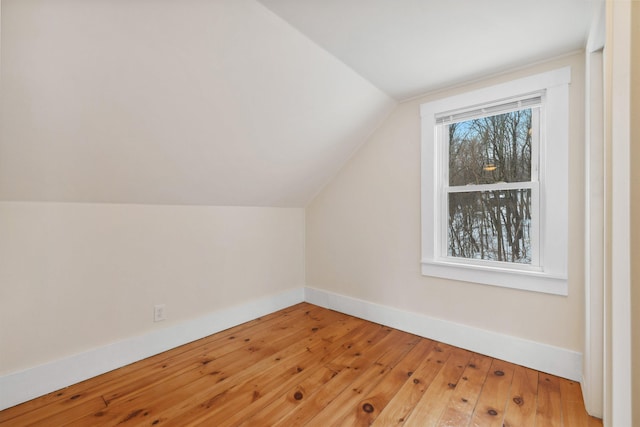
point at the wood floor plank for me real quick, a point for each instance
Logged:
(292, 394)
(490, 409)
(350, 368)
(464, 399)
(549, 410)
(66, 416)
(399, 408)
(317, 373)
(400, 344)
(367, 410)
(300, 392)
(521, 406)
(287, 400)
(434, 401)
(263, 378)
(347, 364)
(594, 422)
(306, 365)
(63, 412)
(572, 404)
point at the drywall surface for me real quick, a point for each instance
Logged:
(635, 208)
(172, 102)
(79, 276)
(363, 233)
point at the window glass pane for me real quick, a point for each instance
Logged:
(490, 225)
(491, 149)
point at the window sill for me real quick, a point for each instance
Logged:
(527, 280)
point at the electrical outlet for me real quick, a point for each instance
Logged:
(159, 313)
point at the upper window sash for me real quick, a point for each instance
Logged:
(442, 142)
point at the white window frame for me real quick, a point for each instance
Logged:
(548, 272)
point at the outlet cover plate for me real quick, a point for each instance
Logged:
(159, 313)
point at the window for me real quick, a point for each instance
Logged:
(495, 184)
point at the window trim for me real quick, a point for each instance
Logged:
(551, 275)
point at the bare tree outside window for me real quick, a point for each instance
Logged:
(490, 224)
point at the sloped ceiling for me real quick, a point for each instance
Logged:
(172, 102)
(234, 102)
(409, 47)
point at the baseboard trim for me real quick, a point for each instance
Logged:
(542, 357)
(28, 384)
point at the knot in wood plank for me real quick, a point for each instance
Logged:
(368, 408)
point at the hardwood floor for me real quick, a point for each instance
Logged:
(306, 365)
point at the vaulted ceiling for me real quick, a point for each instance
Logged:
(409, 47)
(234, 102)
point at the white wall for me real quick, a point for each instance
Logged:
(172, 102)
(75, 277)
(618, 304)
(363, 234)
(635, 209)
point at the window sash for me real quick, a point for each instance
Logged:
(443, 232)
(442, 150)
(442, 138)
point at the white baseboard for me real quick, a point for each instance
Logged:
(542, 357)
(25, 385)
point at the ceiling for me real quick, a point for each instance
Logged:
(409, 47)
(235, 102)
